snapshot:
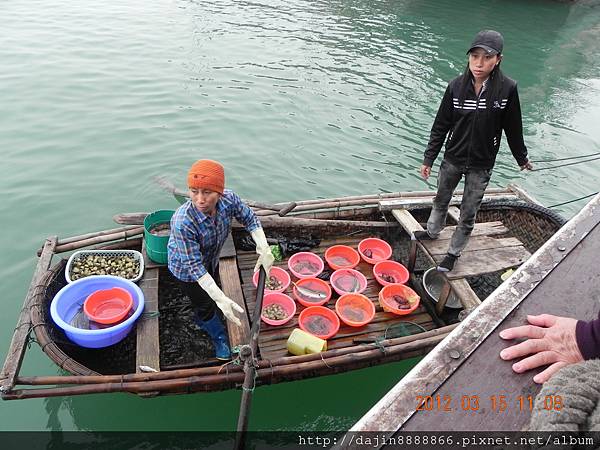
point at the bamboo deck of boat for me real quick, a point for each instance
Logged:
(559, 279)
(337, 221)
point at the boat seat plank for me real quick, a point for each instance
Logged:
(148, 342)
(468, 298)
(454, 213)
(232, 287)
(480, 229)
(16, 351)
(479, 262)
(427, 201)
(484, 253)
(440, 246)
(228, 249)
(522, 194)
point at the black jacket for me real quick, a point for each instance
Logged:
(474, 130)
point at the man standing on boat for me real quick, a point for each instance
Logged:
(199, 229)
(476, 107)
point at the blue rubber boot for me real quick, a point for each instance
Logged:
(216, 330)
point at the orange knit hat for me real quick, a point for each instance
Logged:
(207, 174)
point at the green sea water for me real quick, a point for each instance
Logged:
(298, 99)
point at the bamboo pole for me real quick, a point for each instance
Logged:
(128, 243)
(16, 351)
(137, 218)
(343, 203)
(95, 234)
(99, 239)
(215, 382)
(73, 239)
(291, 222)
(205, 371)
(248, 354)
(388, 195)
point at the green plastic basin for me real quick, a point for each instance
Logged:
(156, 246)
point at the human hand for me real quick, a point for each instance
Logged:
(425, 171)
(265, 259)
(527, 166)
(228, 307)
(551, 341)
(265, 256)
(223, 302)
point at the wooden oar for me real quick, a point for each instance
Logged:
(247, 354)
(180, 196)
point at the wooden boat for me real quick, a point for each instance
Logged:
(166, 340)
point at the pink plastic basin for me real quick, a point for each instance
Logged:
(348, 281)
(305, 264)
(276, 272)
(285, 301)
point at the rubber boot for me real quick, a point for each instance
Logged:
(216, 330)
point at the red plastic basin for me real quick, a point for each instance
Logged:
(108, 306)
(312, 292)
(319, 321)
(341, 257)
(389, 304)
(373, 250)
(395, 273)
(355, 310)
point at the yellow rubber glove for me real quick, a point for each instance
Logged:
(224, 303)
(265, 257)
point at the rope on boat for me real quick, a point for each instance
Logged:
(565, 159)
(247, 354)
(565, 165)
(325, 362)
(574, 200)
(31, 339)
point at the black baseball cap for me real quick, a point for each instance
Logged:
(489, 40)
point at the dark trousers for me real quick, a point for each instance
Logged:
(476, 181)
(202, 302)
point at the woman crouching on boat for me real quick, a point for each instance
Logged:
(199, 229)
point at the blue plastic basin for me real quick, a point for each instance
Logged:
(69, 300)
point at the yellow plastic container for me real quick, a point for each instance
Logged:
(302, 343)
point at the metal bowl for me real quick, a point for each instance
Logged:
(433, 282)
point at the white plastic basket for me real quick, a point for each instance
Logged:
(83, 253)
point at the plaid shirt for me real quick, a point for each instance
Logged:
(196, 239)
